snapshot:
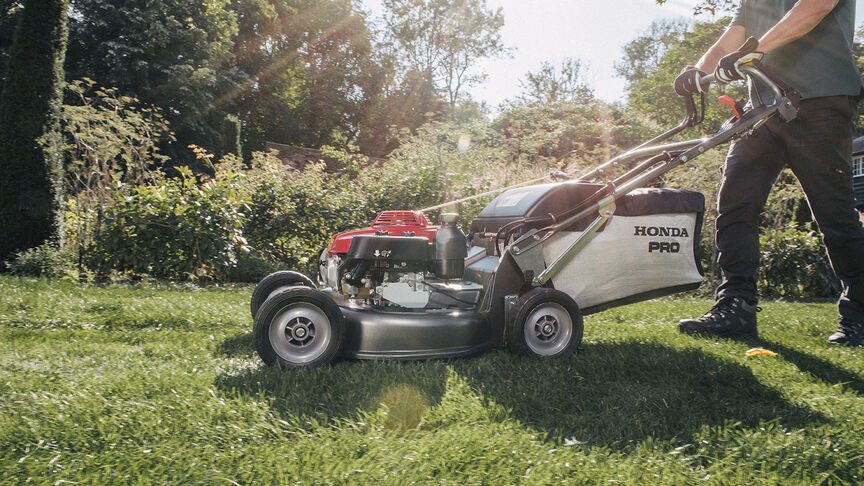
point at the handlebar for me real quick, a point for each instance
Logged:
(785, 97)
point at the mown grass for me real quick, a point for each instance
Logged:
(160, 384)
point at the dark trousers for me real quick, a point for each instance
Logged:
(817, 147)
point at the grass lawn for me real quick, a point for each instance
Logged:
(152, 384)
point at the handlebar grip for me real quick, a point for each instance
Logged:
(706, 80)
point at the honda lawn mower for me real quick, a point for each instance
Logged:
(536, 260)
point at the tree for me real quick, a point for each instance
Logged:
(551, 85)
(302, 72)
(442, 40)
(9, 14)
(31, 179)
(312, 72)
(642, 55)
(173, 54)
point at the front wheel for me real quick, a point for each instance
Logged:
(548, 323)
(298, 327)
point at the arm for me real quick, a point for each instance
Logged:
(728, 42)
(798, 21)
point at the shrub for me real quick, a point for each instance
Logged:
(292, 220)
(794, 265)
(46, 260)
(176, 230)
(251, 269)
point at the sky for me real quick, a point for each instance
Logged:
(594, 31)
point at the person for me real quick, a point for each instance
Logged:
(808, 45)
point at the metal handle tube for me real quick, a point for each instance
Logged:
(638, 153)
(626, 156)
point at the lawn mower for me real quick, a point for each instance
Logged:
(535, 261)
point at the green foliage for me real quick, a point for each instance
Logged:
(301, 72)
(643, 54)
(794, 265)
(179, 229)
(443, 160)
(292, 218)
(712, 6)
(398, 114)
(10, 10)
(232, 135)
(45, 260)
(172, 54)
(31, 173)
(313, 75)
(252, 269)
(111, 139)
(566, 136)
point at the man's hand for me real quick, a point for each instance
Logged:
(687, 82)
(727, 69)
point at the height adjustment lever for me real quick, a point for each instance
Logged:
(727, 100)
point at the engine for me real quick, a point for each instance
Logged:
(376, 266)
(405, 271)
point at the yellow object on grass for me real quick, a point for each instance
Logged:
(759, 352)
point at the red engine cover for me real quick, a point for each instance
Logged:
(394, 223)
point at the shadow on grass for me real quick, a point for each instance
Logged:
(239, 345)
(612, 393)
(607, 394)
(333, 393)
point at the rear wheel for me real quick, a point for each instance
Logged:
(274, 283)
(548, 323)
(298, 327)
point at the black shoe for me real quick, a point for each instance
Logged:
(849, 333)
(728, 318)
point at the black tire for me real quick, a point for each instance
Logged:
(275, 282)
(548, 324)
(298, 327)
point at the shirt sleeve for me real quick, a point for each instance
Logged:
(739, 18)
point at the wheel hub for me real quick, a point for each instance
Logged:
(300, 331)
(546, 327)
(550, 329)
